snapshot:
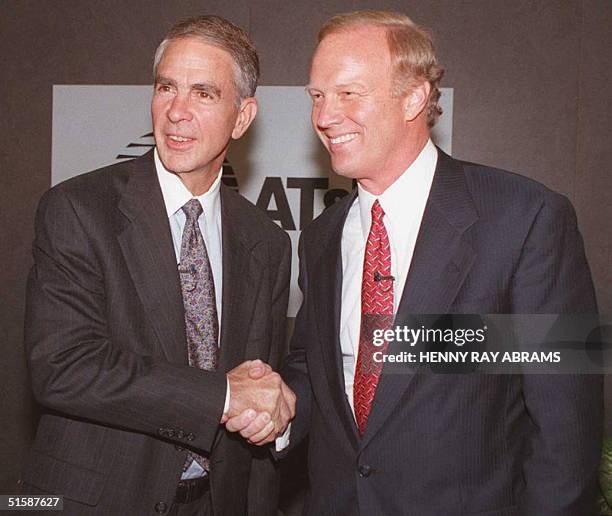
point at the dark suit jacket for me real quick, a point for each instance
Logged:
(105, 337)
(440, 444)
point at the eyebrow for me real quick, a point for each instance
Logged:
(207, 87)
(310, 87)
(349, 85)
(160, 79)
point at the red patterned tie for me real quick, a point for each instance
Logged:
(376, 313)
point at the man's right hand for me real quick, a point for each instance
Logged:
(261, 405)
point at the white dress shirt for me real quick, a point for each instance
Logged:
(176, 195)
(404, 204)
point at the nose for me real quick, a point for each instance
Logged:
(179, 109)
(327, 113)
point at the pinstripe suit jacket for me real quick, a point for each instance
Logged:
(494, 445)
(105, 337)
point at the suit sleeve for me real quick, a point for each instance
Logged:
(264, 482)
(75, 366)
(295, 369)
(553, 277)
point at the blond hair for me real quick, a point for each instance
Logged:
(411, 48)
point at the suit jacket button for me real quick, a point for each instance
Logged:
(178, 447)
(365, 471)
(180, 434)
(170, 433)
(190, 437)
(161, 432)
(161, 507)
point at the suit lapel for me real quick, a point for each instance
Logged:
(327, 301)
(241, 280)
(442, 259)
(146, 244)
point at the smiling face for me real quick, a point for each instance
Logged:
(194, 110)
(354, 112)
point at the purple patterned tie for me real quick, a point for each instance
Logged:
(198, 287)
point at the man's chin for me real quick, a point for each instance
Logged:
(175, 164)
(343, 170)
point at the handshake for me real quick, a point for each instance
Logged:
(261, 405)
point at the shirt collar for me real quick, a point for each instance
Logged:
(176, 194)
(409, 190)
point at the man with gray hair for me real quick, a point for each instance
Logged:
(154, 290)
(424, 233)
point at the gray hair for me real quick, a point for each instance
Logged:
(223, 34)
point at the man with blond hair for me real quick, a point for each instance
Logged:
(424, 233)
(154, 290)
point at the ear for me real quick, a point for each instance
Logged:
(246, 115)
(416, 100)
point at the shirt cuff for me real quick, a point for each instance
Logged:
(282, 441)
(227, 397)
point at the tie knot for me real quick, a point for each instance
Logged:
(377, 212)
(193, 210)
